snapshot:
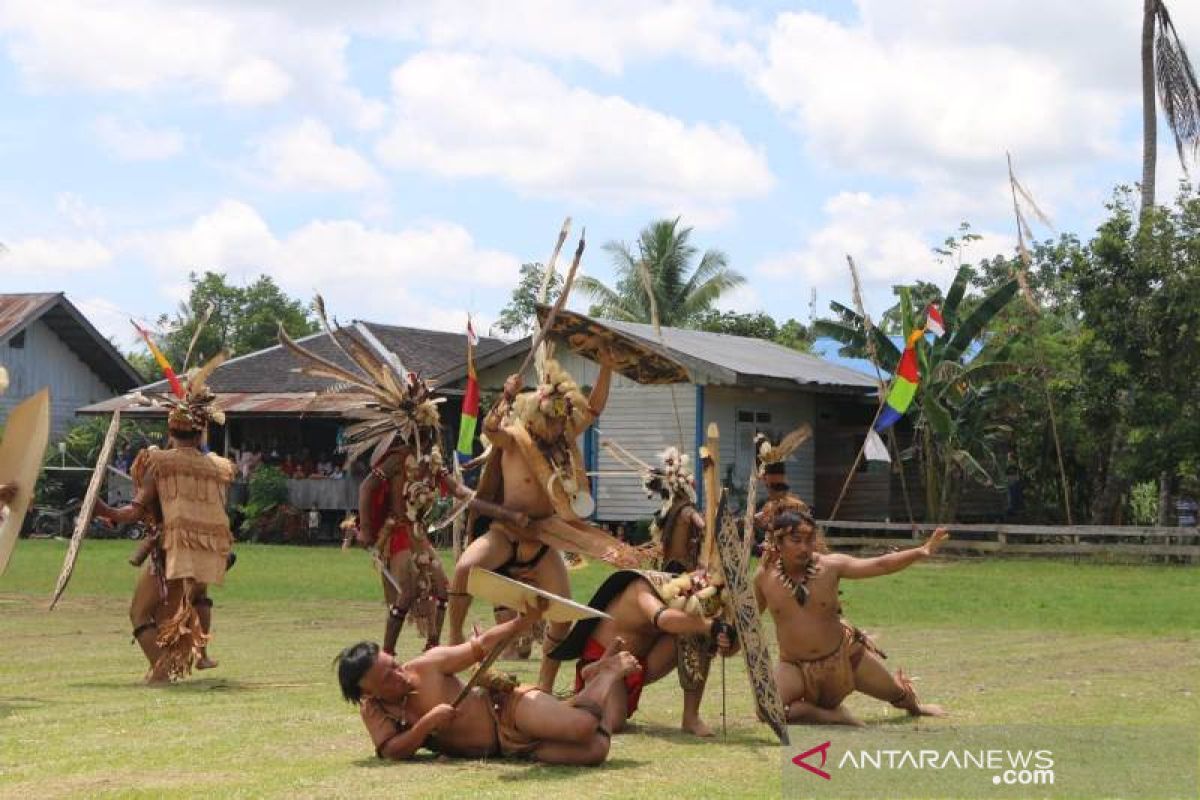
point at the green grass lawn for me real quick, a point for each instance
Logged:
(996, 642)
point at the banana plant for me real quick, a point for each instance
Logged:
(955, 438)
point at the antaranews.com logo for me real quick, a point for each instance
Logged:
(1006, 767)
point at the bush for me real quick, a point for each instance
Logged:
(1143, 503)
(268, 490)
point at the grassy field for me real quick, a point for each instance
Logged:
(996, 642)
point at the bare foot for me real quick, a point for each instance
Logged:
(206, 663)
(621, 661)
(696, 727)
(928, 710)
(157, 678)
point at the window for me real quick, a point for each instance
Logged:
(17, 342)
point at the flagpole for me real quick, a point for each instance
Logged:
(857, 459)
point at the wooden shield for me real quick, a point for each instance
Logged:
(501, 591)
(26, 433)
(85, 511)
(736, 570)
(636, 359)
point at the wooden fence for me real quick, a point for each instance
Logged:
(1099, 541)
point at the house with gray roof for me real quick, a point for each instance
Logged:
(45, 341)
(744, 385)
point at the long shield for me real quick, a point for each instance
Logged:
(736, 569)
(84, 520)
(22, 449)
(637, 359)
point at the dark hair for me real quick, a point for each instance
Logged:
(352, 665)
(785, 520)
(184, 435)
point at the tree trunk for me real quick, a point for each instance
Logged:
(1149, 107)
(1165, 479)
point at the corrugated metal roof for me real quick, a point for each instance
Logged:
(250, 404)
(18, 310)
(742, 356)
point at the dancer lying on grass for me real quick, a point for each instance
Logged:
(823, 658)
(409, 706)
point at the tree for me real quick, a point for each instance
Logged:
(796, 335)
(957, 437)
(243, 319)
(681, 292)
(922, 293)
(1165, 65)
(517, 318)
(758, 325)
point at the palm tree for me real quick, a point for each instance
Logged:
(680, 292)
(1165, 64)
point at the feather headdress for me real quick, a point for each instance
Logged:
(195, 409)
(672, 479)
(768, 452)
(401, 408)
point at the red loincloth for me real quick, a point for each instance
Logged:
(593, 651)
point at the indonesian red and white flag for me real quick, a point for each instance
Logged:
(471, 337)
(933, 321)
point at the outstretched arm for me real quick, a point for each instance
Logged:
(518, 519)
(598, 399)
(854, 568)
(455, 658)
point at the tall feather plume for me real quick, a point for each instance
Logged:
(319, 306)
(768, 453)
(1178, 89)
(197, 381)
(319, 367)
(208, 312)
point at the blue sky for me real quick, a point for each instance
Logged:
(405, 161)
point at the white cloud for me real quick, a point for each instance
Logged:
(461, 115)
(237, 54)
(305, 156)
(891, 239)
(38, 256)
(132, 140)
(920, 105)
(415, 276)
(79, 213)
(255, 82)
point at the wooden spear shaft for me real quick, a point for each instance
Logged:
(857, 461)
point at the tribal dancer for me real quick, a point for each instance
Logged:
(823, 658)
(402, 428)
(409, 706)
(649, 612)
(185, 489)
(677, 527)
(770, 467)
(536, 468)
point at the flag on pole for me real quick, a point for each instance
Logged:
(163, 364)
(874, 449)
(933, 321)
(904, 385)
(470, 405)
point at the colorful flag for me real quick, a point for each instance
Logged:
(874, 449)
(163, 364)
(904, 386)
(933, 321)
(470, 404)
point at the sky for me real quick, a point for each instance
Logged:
(403, 159)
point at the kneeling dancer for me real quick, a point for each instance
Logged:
(823, 658)
(409, 706)
(653, 613)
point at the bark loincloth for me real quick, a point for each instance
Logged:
(829, 680)
(503, 705)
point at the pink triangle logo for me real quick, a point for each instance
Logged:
(823, 749)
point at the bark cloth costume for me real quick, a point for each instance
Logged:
(190, 542)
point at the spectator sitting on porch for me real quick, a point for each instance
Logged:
(324, 466)
(289, 467)
(305, 464)
(337, 473)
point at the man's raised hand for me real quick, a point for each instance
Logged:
(935, 541)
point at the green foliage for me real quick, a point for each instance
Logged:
(268, 490)
(758, 325)
(517, 318)
(1143, 503)
(682, 291)
(957, 437)
(85, 437)
(244, 319)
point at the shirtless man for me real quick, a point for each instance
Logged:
(541, 475)
(409, 706)
(677, 525)
(650, 611)
(779, 496)
(822, 658)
